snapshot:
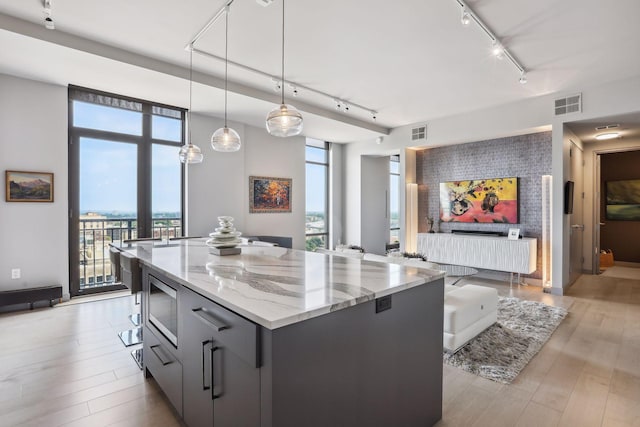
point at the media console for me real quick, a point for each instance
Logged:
(480, 251)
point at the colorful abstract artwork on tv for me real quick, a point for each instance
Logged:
(623, 200)
(482, 200)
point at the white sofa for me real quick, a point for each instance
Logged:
(468, 310)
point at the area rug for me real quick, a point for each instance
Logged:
(501, 351)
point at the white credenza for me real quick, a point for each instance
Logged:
(485, 252)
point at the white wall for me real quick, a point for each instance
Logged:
(375, 203)
(215, 187)
(523, 117)
(33, 137)
(220, 184)
(268, 155)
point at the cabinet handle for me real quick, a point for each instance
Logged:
(209, 319)
(204, 344)
(164, 361)
(213, 395)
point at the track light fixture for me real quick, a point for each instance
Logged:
(48, 20)
(466, 18)
(497, 48)
(523, 78)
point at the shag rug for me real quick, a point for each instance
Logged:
(502, 350)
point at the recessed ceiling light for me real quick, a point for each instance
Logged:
(609, 135)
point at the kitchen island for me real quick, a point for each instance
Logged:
(278, 337)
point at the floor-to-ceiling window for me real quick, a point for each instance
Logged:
(317, 194)
(125, 180)
(394, 199)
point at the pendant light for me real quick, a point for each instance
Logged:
(190, 153)
(284, 120)
(225, 139)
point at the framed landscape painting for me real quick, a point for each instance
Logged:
(623, 200)
(482, 200)
(22, 186)
(269, 195)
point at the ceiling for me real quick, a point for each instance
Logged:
(410, 61)
(628, 125)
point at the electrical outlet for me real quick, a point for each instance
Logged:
(15, 273)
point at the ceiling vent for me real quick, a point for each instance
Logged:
(570, 104)
(607, 127)
(419, 133)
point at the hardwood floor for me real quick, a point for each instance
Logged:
(66, 367)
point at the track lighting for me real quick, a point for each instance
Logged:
(466, 18)
(346, 107)
(374, 115)
(48, 21)
(523, 78)
(497, 48)
(338, 104)
(277, 82)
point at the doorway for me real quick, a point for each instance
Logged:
(125, 180)
(616, 212)
(576, 212)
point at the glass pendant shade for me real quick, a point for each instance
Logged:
(190, 153)
(284, 121)
(226, 140)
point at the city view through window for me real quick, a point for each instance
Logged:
(317, 204)
(110, 143)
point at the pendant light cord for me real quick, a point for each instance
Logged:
(226, 61)
(190, 88)
(282, 81)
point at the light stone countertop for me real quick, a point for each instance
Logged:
(274, 286)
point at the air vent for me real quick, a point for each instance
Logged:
(607, 127)
(419, 133)
(570, 104)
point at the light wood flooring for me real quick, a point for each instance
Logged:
(66, 367)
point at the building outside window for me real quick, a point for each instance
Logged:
(317, 194)
(126, 180)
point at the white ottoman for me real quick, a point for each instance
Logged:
(468, 311)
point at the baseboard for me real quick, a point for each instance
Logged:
(626, 264)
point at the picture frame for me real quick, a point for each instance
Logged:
(269, 194)
(623, 200)
(28, 186)
(514, 234)
(487, 200)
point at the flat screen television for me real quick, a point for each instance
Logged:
(623, 200)
(568, 197)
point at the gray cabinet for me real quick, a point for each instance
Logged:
(220, 359)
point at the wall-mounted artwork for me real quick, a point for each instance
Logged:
(623, 200)
(24, 186)
(269, 195)
(481, 200)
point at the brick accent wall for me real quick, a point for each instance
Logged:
(527, 157)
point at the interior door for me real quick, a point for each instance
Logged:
(576, 218)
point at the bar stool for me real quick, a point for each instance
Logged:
(127, 271)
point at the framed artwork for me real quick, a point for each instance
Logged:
(623, 200)
(514, 234)
(22, 186)
(492, 200)
(269, 195)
